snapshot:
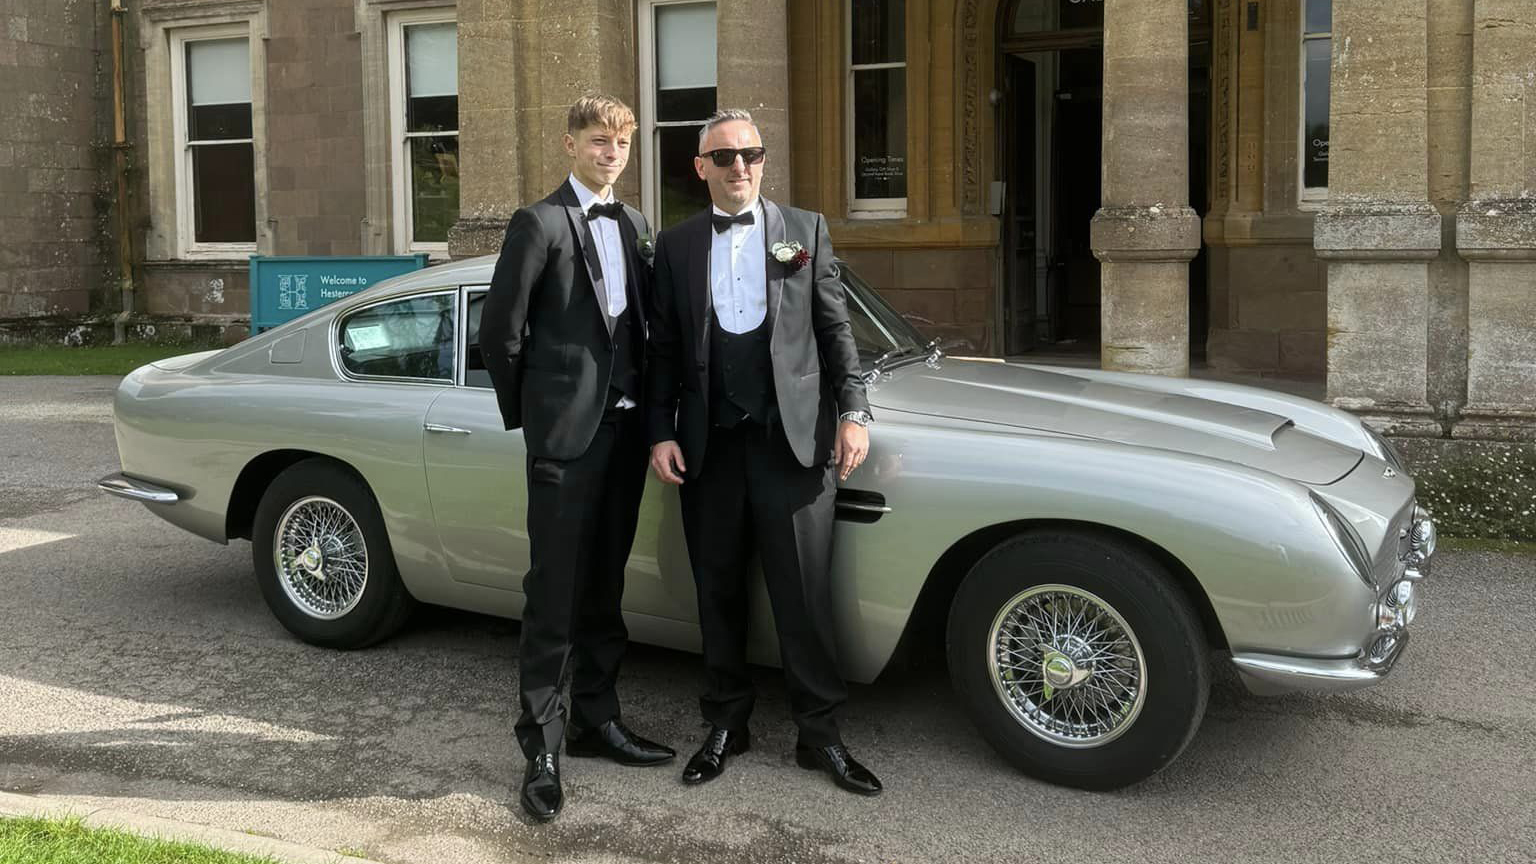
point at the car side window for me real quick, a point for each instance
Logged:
(409, 338)
(474, 362)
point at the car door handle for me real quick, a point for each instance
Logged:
(861, 507)
(438, 427)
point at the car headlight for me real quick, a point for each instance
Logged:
(1346, 538)
(1386, 450)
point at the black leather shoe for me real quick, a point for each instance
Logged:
(614, 741)
(845, 770)
(541, 787)
(709, 762)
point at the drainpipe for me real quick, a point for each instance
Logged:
(120, 147)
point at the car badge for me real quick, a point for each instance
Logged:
(1389, 473)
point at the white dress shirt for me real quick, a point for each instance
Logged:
(610, 255)
(610, 248)
(738, 273)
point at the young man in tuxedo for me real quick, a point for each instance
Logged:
(754, 395)
(563, 337)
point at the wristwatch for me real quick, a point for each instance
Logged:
(863, 418)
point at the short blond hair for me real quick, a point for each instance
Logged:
(600, 109)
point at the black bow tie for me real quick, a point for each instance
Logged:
(612, 210)
(723, 223)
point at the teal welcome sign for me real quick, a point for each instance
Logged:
(284, 287)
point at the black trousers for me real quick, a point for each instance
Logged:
(581, 525)
(752, 494)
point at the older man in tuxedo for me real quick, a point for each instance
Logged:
(754, 397)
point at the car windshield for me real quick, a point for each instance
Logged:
(878, 330)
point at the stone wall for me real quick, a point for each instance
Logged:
(310, 173)
(315, 128)
(53, 161)
(1269, 311)
(947, 293)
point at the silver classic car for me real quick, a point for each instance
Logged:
(1082, 545)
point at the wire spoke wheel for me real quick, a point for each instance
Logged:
(1067, 666)
(321, 557)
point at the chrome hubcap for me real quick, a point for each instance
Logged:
(321, 558)
(1067, 666)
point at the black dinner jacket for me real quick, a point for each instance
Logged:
(816, 373)
(544, 329)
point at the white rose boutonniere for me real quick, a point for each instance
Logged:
(792, 255)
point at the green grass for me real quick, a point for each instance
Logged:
(92, 360)
(25, 840)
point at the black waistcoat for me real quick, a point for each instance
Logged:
(628, 342)
(741, 376)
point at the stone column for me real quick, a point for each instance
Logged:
(521, 65)
(1145, 232)
(752, 72)
(1378, 232)
(1496, 229)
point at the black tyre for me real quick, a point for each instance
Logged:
(1078, 658)
(323, 559)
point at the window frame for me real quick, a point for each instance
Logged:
(1308, 197)
(461, 363)
(870, 208)
(342, 316)
(187, 245)
(401, 210)
(650, 174)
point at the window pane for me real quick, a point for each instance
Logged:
(224, 193)
(434, 188)
(685, 46)
(682, 192)
(219, 122)
(693, 103)
(432, 114)
(1315, 148)
(879, 31)
(474, 361)
(405, 339)
(880, 133)
(431, 60)
(1319, 16)
(218, 72)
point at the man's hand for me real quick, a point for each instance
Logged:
(849, 451)
(667, 462)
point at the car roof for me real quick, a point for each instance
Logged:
(468, 271)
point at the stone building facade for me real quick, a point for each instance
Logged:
(1333, 190)
(54, 155)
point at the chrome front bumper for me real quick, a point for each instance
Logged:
(133, 489)
(1273, 674)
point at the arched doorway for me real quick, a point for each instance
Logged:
(1050, 85)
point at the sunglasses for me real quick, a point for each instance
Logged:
(725, 157)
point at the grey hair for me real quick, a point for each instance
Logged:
(727, 115)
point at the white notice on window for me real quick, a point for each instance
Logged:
(367, 338)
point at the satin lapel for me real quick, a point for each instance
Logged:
(773, 232)
(581, 233)
(698, 282)
(630, 237)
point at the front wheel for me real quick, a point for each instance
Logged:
(1078, 658)
(323, 559)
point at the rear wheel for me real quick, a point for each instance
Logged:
(323, 559)
(1079, 658)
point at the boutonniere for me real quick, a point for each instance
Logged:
(791, 255)
(646, 246)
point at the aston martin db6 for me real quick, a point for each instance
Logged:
(1081, 545)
